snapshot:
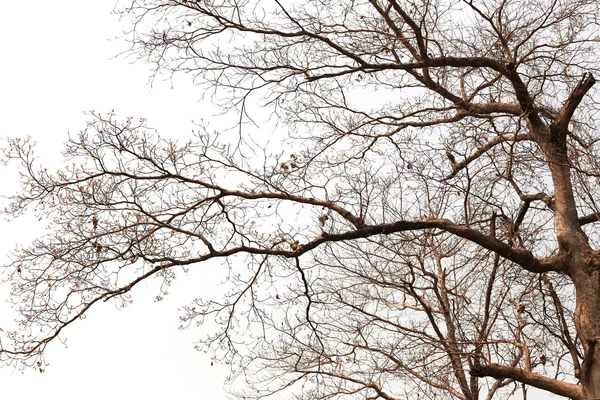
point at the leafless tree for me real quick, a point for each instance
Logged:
(431, 235)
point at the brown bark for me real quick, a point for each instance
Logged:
(569, 234)
(497, 371)
(586, 278)
(583, 264)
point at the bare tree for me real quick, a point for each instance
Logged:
(430, 235)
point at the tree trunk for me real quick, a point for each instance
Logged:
(583, 262)
(586, 278)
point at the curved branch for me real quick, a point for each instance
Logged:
(519, 256)
(497, 371)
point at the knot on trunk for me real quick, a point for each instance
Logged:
(478, 371)
(558, 137)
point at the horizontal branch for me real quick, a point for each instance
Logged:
(555, 386)
(588, 219)
(519, 256)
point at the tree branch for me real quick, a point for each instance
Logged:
(588, 219)
(566, 113)
(497, 371)
(519, 256)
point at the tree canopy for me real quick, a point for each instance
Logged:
(420, 223)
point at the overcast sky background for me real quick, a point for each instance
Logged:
(58, 62)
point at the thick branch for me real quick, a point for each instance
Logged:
(566, 113)
(588, 219)
(519, 256)
(569, 390)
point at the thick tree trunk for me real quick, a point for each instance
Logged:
(586, 278)
(584, 270)
(583, 262)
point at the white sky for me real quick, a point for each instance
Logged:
(57, 63)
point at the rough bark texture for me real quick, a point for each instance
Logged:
(586, 277)
(583, 263)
